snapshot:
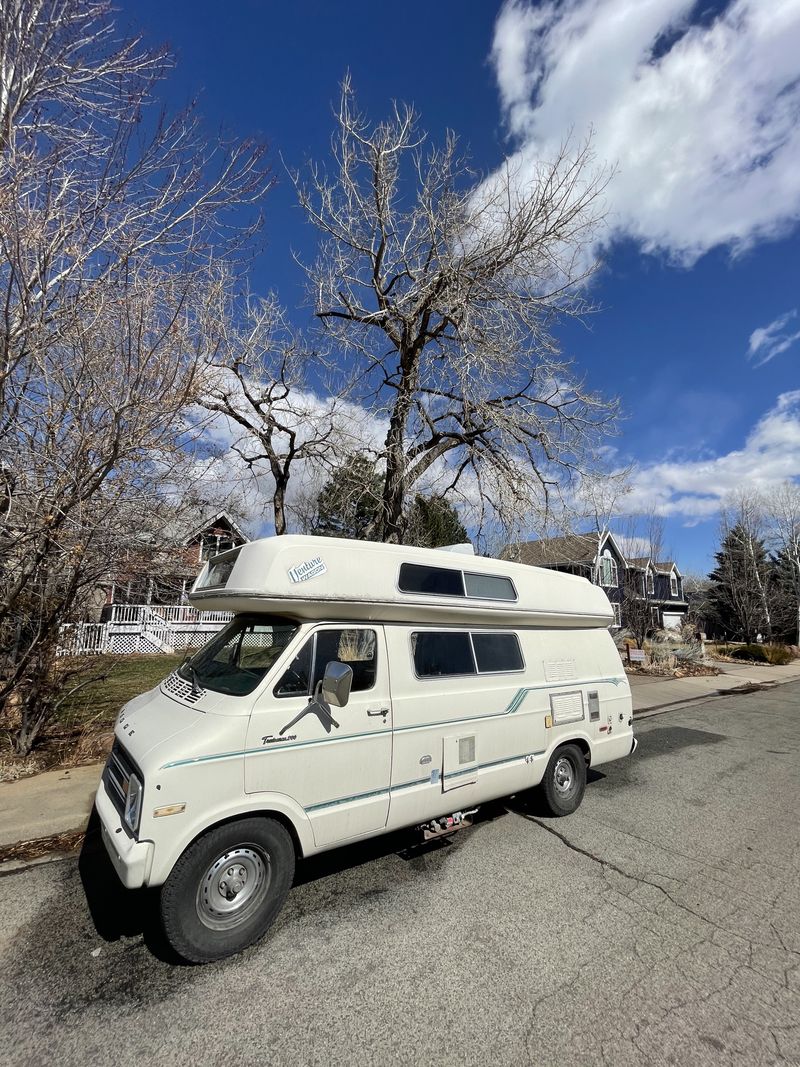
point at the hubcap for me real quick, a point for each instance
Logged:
(564, 776)
(233, 887)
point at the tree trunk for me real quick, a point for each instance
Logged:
(390, 528)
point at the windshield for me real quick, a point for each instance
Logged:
(236, 659)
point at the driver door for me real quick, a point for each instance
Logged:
(339, 771)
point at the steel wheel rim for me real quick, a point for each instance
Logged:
(233, 887)
(564, 776)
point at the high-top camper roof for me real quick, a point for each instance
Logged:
(333, 578)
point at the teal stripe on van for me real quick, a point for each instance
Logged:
(514, 706)
(419, 781)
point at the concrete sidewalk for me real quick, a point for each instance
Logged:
(61, 800)
(651, 692)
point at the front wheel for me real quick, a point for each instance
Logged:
(227, 888)
(564, 780)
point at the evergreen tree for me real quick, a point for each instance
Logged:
(784, 597)
(348, 503)
(432, 522)
(739, 586)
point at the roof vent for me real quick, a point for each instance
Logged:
(462, 550)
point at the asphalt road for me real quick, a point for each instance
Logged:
(659, 924)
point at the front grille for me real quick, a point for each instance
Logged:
(116, 776)
(175, 686)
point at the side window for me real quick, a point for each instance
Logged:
(437, 655)
(437, 580)
(490, 587)
(294, 680)
(357, 648)
(497, 652)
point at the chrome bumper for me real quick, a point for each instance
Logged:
(131, 859)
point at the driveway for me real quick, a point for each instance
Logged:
(659, 924)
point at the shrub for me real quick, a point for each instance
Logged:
(753, 653)
(778, 655)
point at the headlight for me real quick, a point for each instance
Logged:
(133, 803)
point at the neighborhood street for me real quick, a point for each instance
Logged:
(659, 924)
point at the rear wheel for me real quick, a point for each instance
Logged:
(227, 888)
(564, 780)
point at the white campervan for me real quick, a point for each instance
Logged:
(359, 688)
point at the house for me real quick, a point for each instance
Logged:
(596, 557)
(656, 585)
(164, 574)
(662, 588)
(144, 608)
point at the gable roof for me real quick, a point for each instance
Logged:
(666, 566)
(549, 551)
(574, 548)
(211, 521)
(640, 563)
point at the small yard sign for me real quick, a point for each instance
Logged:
(636, 655)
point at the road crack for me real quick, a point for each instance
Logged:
(609, 865)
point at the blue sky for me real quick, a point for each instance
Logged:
(697, 108)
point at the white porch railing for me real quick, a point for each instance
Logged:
(169, 613)
(142, 628)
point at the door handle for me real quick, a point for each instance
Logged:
(378, 711)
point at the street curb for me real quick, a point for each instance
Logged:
(9, 867)
(743, 690)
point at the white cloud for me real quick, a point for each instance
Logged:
(766, 342)
(634, 547)
(694, 488)
(702, 119)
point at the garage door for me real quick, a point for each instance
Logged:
(672, 620)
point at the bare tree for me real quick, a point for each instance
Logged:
(114, 225)
(260, 380)
(442, 296)
(739, 593)
(781, 507)
(696, 588)
(644, 541)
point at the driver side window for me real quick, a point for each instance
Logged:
(356, 648)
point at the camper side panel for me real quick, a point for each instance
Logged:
(462, 738)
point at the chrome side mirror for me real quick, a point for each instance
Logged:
(336, 683)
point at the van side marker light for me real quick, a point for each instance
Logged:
(168, 809)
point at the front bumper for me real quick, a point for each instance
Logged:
(131, 859)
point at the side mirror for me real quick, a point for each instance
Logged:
(336, 683)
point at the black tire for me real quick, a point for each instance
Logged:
(564, 780)
(250, 861)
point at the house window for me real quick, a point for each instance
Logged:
(673, 584)
(615, 625)
(211, 544)
(654, 618)
(608, 569)
(650, 582)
